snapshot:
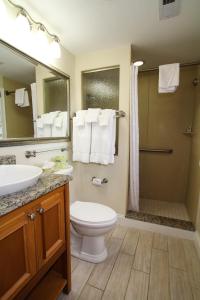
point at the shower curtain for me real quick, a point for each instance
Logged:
(134, 143)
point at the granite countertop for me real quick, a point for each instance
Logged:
(45, 184)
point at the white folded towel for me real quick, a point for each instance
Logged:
(80, 117)
(103, 141)
(105, 116)
(92, 115)
(81, 141)
(168, 78)
(43, 128)
(49, 118)
(21, 98)
(60, 125)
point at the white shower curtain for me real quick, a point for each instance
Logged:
(134, 143)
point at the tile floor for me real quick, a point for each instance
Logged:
(165, 209)
(141, 265)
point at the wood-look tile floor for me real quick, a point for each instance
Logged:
(141, 265)
(173, 210)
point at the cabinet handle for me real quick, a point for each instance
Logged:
(40, 210)
(32, 216)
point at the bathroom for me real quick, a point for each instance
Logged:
(141, 247)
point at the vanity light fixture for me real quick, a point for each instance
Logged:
(25, 23)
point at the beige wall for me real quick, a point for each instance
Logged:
(194, 175)
(114, 193)
(18, 120)
(163, 119)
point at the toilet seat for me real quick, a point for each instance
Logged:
(92, 214)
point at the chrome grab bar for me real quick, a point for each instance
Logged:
(152, 150)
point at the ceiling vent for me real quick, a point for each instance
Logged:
(169, 8)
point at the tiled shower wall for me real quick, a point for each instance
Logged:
(163, 119)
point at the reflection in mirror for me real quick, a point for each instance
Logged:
(34, 100)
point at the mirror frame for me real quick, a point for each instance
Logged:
(32, 140)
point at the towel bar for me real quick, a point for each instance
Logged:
(119, 114)
(33, 153)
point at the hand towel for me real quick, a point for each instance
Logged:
(26, 100)
(60, 125)
(92, 115)
(19, 96)
(105, 116)
(103, 141)
(81, 141)
(80, 117)
(49, 118)
(43, 129)
(169, 78)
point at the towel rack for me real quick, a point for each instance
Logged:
(33, 153)
(167, 151)
(8, 93)
(119, 114)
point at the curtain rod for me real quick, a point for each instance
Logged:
(181, 65)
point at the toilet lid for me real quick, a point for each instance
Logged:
(92, 212)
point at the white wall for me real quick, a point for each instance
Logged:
(66, 64)
(114, 193)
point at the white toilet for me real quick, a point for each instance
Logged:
(89, 224)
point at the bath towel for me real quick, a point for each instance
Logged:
(81, 141)
(103, 141)
(168, 78)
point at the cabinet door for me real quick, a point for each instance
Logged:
(50, 226)
(17, 254)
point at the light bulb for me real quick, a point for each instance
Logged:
(41, 42)
(55, 49)
(138, 63)
(22, 25)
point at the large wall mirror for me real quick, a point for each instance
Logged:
(34, 99)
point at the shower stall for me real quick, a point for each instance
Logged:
(168, 141)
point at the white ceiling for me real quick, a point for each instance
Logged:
(16, 67)
(88, 25)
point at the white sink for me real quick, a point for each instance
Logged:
(14, 178)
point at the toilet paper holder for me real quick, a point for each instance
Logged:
(104, 180)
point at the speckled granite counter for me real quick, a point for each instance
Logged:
(45, 184)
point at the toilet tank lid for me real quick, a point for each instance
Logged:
(91, 212)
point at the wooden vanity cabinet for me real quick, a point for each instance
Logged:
(17, 254)
(33, 239)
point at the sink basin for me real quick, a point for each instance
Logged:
(14, 178)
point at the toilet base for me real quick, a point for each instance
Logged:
(91, 249)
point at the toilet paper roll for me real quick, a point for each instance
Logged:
(97, 181)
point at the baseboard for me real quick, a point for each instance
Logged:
(176, 232)
(197, 242)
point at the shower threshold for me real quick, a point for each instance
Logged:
(163, 213)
